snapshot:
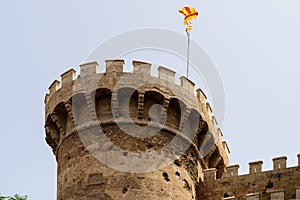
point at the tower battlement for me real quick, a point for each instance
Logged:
(103, 96)
(280, 183)
(63, 90)
(80, 104)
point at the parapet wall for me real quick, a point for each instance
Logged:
(81, 105)
(70, 84)
(281, 183)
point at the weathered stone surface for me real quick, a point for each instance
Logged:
(99, 100)
(279, 183)
(92, 101)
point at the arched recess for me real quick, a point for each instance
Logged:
(207, 145)
(52, 133)
(59, 117)
(175, 113)
(103, 104)
(220, 169)
(128, 102)
(216, 161)
(192, 124)
(152, 112)
(201, 135)
(80, 109)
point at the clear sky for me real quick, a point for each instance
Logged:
(255, 45)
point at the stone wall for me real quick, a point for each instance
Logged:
(281, 183)
(81, 104)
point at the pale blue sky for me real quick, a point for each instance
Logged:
(255, 45)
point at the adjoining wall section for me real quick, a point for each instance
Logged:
(281, 183)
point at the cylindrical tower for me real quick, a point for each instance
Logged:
(118, 135)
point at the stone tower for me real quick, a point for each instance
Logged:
(119, 135)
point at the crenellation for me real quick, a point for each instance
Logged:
(88, 69)
(114, 65)
(215, 125)
(215, 122)
(220, 132)
(255, 167)
(223, 181)
(210, 174)
(258, 184)
(46, 99)
(109, 108)
(166, 74)
(68, 77)
(226, 148)
(209, 110)
(201, 96)
(187, 84)
(54, 87)
(140, 67)
(232, 171)
(279, 163)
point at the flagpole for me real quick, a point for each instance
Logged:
(188, 55)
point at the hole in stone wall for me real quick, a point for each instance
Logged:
(125, 154)
(270, 184)
(279, 176)
(226, 195)
(67, 156)
(187, 185)
(177, 162)
(177, 173)
(166, 176)
(149, 146)
(125, 190)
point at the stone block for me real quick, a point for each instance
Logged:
(187, 84)
(253, 196)
(54, 87)
(140, 67)
(279, 163)
(232, 171)
(68, 76)
(88, 69)
(210, 174)
(114, 65)
(166, 74)
(277, 194)
(255, 167)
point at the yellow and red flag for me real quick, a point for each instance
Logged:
(188, 25)
(189, 14)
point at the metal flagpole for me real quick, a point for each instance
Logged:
(188, 55)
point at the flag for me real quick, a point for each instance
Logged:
(188, 25)
(189, 14)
